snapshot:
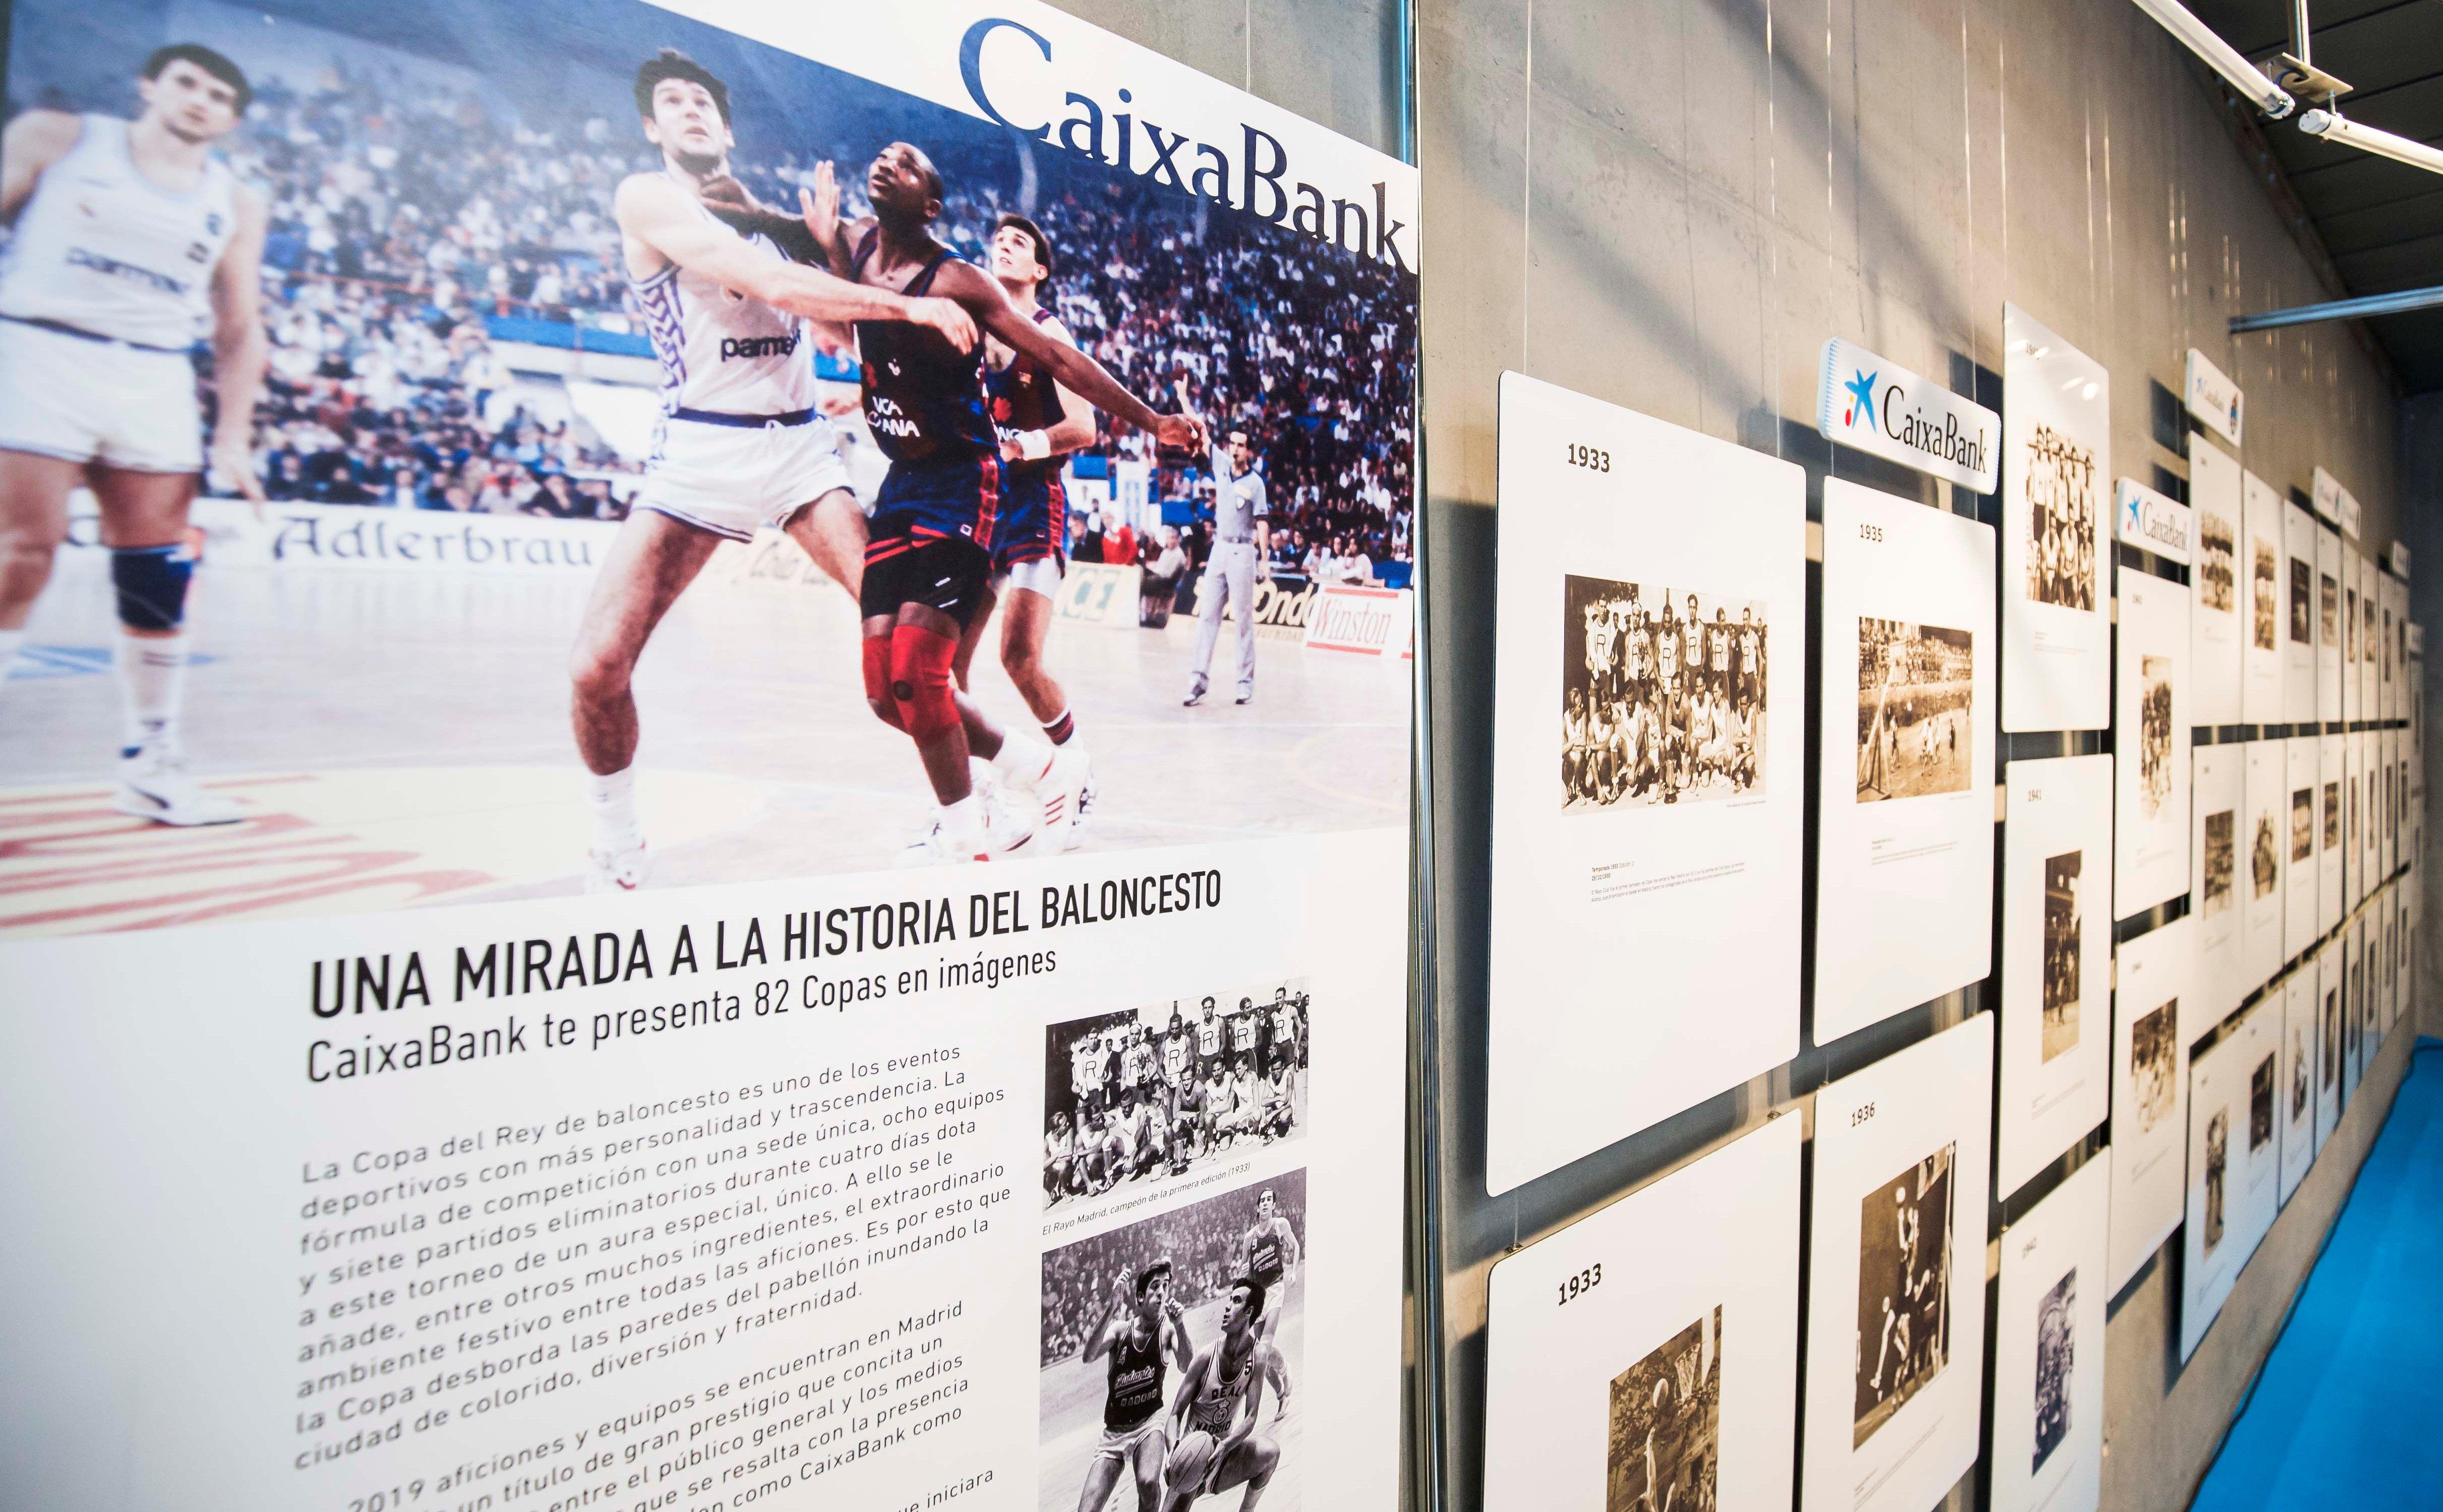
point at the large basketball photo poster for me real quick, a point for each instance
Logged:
(586, 522)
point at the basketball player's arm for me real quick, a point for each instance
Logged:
(1073, 430)
(1072, 369)
(1290, 1249)
(1098, 1338)
(652, 211)
(240, 349)
(33, 142)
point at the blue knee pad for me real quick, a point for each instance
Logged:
(152, 584)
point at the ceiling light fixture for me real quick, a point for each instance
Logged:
(2332, 127)
(2220, 56)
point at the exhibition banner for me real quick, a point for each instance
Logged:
(522, 1021)
(1882, 409)
(2213, 398)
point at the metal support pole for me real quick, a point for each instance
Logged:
(2341, 310)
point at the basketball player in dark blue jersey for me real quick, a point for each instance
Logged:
(939, 513)
(1142, 1332)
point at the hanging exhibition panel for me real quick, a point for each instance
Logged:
(1904, 851)
(2151, 718)
(2302, 873)
(2048, 1317)
(2262, 606)
(2056, 1069)
(406, 1154)
(2295, 1078)
(2330, 1040)
(2218, 627)
(1896, 1276)
(2218, 881)
(2332, 783)
(1643, 1356)
(2056, 556)
(2234, 1162)
(1648, 753)
(2299, 613)
(2328, 623)
(2264, 853)
(2150, 1092)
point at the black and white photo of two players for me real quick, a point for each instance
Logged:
(1904, 1244)
(1662, 695)
(2063, 935)
(566, 459)
(1172, 1349)
(2061, 520)
(1665, 1440)
(1138, 1100)
(1916, 697)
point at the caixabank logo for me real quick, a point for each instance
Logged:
(1879, 407)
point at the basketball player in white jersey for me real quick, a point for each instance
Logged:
(740, 443)
(1215, 1444)
(132, 238)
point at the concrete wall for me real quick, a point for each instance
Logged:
(1670, 204)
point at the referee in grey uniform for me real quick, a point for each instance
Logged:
(1240, 538)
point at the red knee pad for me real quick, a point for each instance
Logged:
(877, 681)
(920, 680)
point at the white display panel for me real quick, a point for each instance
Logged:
(2295, 1084)
(1643, 1355)
(2331, 1038)
(2234, 1162)
(2056, 1078)
(2302, 873)
(1896, 1276)
(2151, 721)
(2048, 1317)
(2332, 832)
(2366, 754)
(1692, 872)
(2056, 542)
(2220, 885)
(2220, 580)
(2299, 611)
(2152, 1024)
(2264, 861)
(2263, 607)
(1905, 856)
(2328, 623)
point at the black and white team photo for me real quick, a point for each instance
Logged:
(2260, 1105)
(2056, 1353)
(1170, 1356)
(1662, 695)
(2063, 938)
(2303, 826)
(2221, 860)
(2266, 623)
(1916, 700)
(2302, 604)
(2154, 734)
(1904, 1243)
(2061, 520)
(1665, 1438)
(2153, 1064)
(1140, 1098)
(2218, 554)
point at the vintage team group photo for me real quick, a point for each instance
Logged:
(483, 455)
(2061, 492)
(1662, 695)
(1172, 1356)
(1138, 1100)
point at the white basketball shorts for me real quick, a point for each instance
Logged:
(97, 401)
(731, 480)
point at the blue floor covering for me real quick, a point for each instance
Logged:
(2349, 1409)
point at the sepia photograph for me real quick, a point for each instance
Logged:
(2154, 734)
(2221, 860)
(2303, 826)
(1140, 1098)
(2300, 1082)
(2217, 1166)
(2061, 520)
(1915, 698)
(2056, 1348)
(1903, 1290)
(2260, 1105)
(2303, 625)
(2329, 1053)
(1667, 1425)
(2264, 855)
(2265, 622)
(2332, 814)
(2153, 1058)
(2216, 555)
(1164, 1340)
(2328, 603)
(2062, 927)
(1662, 695)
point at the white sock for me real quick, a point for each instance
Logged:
(151, 686)
(1022, 759)
(962, 826)
(611, 798)
(10, 642)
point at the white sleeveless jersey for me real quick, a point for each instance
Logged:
(104, 250)
(720, 352)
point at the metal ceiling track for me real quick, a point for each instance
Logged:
(2341, 310)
